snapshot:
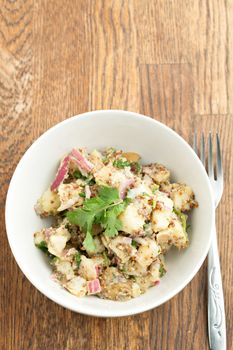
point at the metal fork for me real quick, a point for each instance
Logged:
(216, 312)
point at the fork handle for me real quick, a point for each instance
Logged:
(216, 312)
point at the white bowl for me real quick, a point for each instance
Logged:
(128, 131)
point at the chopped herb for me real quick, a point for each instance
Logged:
(106, 259)
(90, 181)
(77, 174)
(42, 246)
(103, 209)
(155, 188)
(82, 194)
(54, 260)
(132, 278)
(162, 271)
(123, 269)
(182, 217)
(121, 163)
(77, 259)
(134, 243)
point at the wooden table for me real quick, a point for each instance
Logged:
(172, 60)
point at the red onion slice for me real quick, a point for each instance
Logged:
(93, 286)
(124, 186)
(82, 162)
(61, 174)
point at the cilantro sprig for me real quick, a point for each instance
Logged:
(103, 209)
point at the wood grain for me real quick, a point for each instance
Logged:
(170, 59)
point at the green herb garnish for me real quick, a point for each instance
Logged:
(182, 217)
(162, 271)
(82, 194)
(103, 209)
(77, 174)
(77, 259)
(106, 259)
(42, 246)
(155, 188)
(54, 260)
(134, 243)
(121, 163)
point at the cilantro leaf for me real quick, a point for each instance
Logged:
(103, 209)
(108, 194)
(110, 222)
(88, 242)
(120, 163)
(80, 217)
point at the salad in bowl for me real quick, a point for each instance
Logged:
(114, 222)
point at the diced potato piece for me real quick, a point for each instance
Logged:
(160, 220)
(165, 203)
(174, 235)
(183, 197)
(133, 268)
(48, 203)
(57, 241)
(141, 189)
(147, 252)
(64, 268)
(69, 194)
(96, 159)
(162, 213)
(108, 175)
(122, 247)
(88, 268)
(132, 221)
(77, 286)
(131, 156)
(158, 172)
(155, 271)
(106, 241)
(116, 287)
(39, 237)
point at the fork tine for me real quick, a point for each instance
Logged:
(195, 141)
(219, 158)
(202, 155)
(210, 157)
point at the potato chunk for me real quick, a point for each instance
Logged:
(158, 172)
(183, 197)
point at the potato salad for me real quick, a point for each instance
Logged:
(114, 221)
